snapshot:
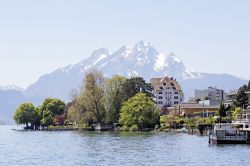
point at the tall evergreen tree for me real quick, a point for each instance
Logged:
(241, 99)
(245, 87)
(248, 87)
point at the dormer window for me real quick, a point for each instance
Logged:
(161, 88)
(164, 84)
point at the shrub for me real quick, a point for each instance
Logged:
(157, 127)
(134, 128)
(164, 119)
(125, 128)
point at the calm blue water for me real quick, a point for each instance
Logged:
(45, 148)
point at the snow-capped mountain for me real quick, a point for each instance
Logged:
(142, 59)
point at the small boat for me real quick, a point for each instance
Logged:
(237, 132)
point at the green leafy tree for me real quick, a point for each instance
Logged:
(25, 114)
(139, 110)
(136, 85)
(113, 98)
(37, 120)
(203, 124)
(90, 98)
(235, 112)
(49, 109)
(72, 114)
(241, 99)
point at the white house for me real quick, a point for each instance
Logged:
(167, 92)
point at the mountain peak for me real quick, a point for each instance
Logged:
(141, 59)
(173, 58)
(100, 51)
(142, 46)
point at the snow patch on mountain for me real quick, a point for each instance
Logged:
(141, 59)
(160, 62)
(11, 87)
(102, 56)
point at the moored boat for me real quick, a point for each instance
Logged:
(237, 132)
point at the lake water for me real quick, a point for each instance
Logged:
(71, 148)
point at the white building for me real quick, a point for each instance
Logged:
(215, 95)
(231, 97)
(167, 92)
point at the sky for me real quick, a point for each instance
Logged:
(37, 37)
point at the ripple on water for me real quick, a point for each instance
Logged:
(113, 148)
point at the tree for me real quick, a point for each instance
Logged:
(136, 85)
(90, 98)
(139, 110)
(248, 87)
(235, 112)
(37, 120)
(245, 87)
(241, 99)
(206, 98)
(113, 98)
(49, 109)
(222, 110)
(25, 114)
(72, 114)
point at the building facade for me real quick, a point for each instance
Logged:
(167, 92)
(190, 110)
(212, 93)
(230, 98)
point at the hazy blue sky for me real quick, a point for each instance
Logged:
(37, 37)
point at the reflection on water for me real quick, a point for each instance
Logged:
(114, 148)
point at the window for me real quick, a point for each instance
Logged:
(176, 97)
(176, 102)
(161, 88)
(160, 92)
(160, 102)
(176, 93)
(160, 97)
(164, 84)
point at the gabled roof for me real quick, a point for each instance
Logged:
(158, 82)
